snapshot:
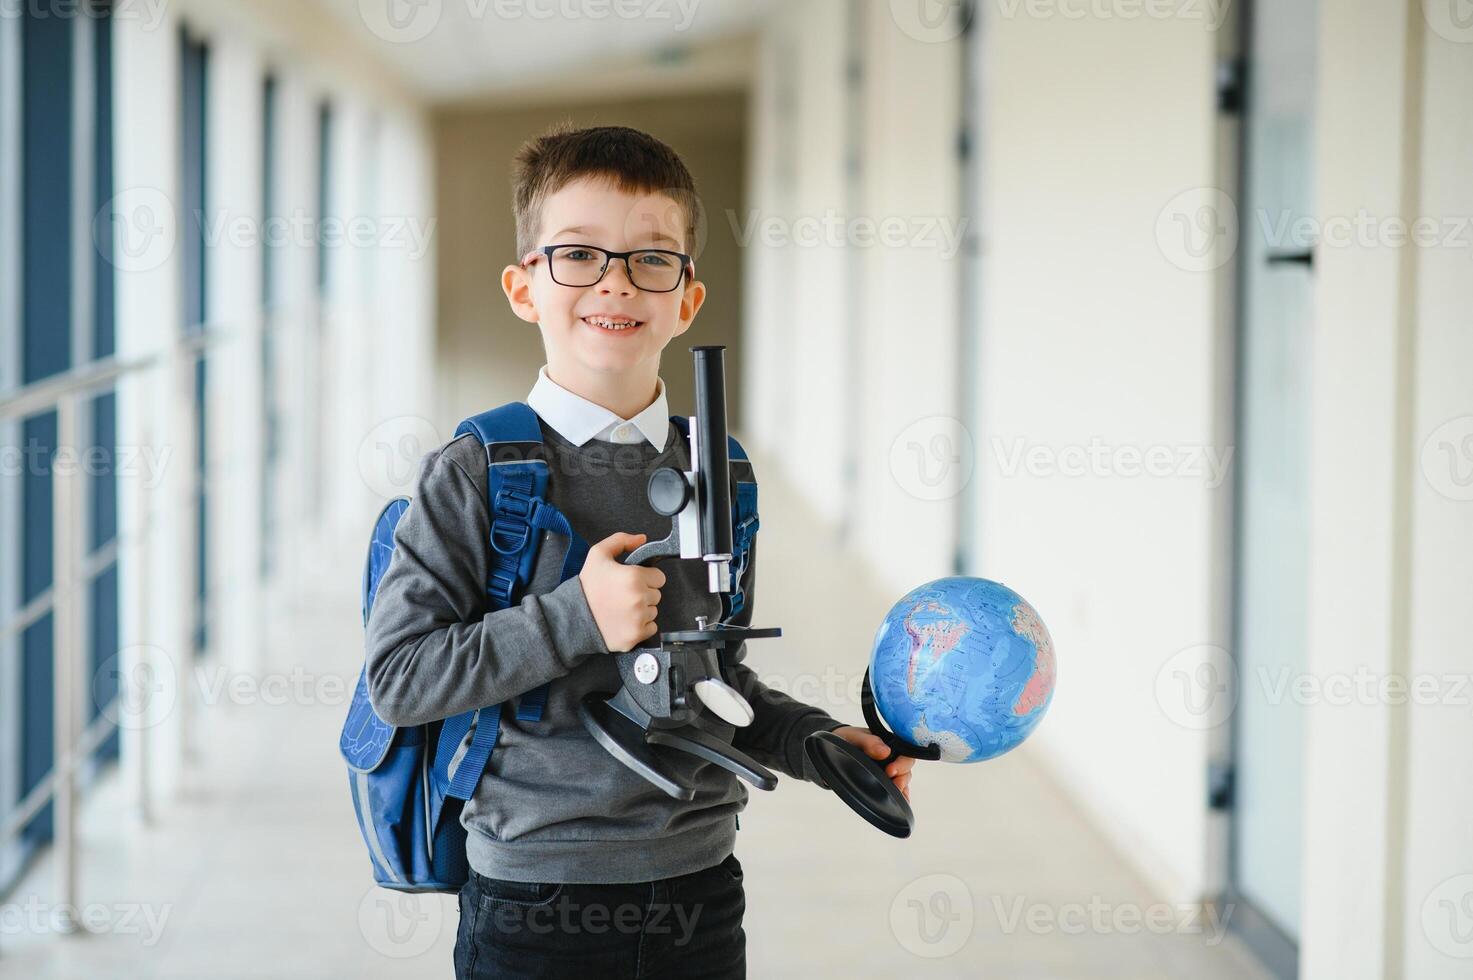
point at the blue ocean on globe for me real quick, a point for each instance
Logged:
(965, 663)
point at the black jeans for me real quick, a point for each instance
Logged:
(688, 926)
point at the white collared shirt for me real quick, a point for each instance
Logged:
(578, 420)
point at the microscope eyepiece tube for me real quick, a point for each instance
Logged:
(713, 469)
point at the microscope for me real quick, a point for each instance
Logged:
(657, 709)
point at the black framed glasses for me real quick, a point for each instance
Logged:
(654, 270)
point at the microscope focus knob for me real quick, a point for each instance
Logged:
(669, 491)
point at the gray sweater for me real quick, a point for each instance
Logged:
(554, 806)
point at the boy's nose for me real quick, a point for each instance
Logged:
(617, 279)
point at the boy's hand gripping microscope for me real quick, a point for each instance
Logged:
(665, 685)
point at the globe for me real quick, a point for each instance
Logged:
(964, 663)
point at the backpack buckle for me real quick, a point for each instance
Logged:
(513, 502)
(501, 585)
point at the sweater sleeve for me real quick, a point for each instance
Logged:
(433, 650)
(780, 723)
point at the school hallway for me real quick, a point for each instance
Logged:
(258, 871)
(1149, 316)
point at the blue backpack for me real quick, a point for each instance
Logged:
(407, 785)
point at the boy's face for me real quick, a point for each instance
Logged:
(594, 212)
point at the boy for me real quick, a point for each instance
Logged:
(579, 867)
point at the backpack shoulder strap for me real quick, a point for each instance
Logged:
(516, 492)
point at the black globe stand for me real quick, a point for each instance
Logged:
(858, 779)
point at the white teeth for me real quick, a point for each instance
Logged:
(608, 324)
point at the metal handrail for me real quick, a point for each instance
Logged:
(72, 567)
(39, 396)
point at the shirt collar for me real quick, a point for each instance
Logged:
(578, 420)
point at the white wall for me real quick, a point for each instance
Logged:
(1389, 857)
(1437, 825)
(1092, 336)
(852, 297)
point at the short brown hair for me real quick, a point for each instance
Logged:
(632, 161)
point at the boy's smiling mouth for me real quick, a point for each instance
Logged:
(612, 323)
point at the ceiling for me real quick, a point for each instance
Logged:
(468, 51)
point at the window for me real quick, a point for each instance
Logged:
(10, 476)
(56, 312)
(194, 89)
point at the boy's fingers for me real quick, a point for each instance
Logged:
(618, 543)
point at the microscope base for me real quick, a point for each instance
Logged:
(629, 739)
(624, 739)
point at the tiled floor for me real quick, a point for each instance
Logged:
(259, 872)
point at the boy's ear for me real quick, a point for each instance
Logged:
(516, 282)
(690, 304)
